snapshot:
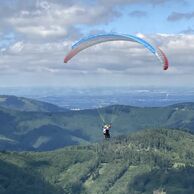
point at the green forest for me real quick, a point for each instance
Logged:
(30, 125)
(138, 163)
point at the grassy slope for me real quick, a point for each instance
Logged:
(139, 163)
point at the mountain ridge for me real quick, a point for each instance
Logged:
(27, 104)
(55, 129)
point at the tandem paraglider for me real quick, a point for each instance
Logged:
(106, 130)
(92, 40)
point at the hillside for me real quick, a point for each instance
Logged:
(139, 163)
(21, 130)
(26, 104)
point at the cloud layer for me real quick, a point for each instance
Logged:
(37, 34)
(138, 14)
(176, 16)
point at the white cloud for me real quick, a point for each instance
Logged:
(121, 62)
(112, 57)
(17, 47)
(46, 19)
(45, 31)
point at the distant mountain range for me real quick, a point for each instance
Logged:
(139, 163)
(29, 105)
(27, 124)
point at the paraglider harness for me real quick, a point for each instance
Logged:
(106, 132)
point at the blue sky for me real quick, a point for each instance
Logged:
(155, 19)
(35, 35)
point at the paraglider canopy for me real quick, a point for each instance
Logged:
(100, 38)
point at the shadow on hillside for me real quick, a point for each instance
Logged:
(17, 180)
(174, 181)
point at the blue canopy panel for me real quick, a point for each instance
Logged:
(99, 38)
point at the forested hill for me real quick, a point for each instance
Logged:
(50, 128)
(139, 163)
(26, 104)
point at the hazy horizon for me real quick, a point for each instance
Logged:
(84, 98)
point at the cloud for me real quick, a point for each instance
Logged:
(49, 19)
(112, 56)
(125, 62)
(39, 19)
(189, 30)
(17, 47)
(138, 14)
(177, 16)
(43, 31)
(125, 2)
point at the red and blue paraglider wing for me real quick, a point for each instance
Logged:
(100, 38)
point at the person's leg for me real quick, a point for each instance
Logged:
(107, 134)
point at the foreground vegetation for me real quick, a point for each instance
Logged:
(137, 164)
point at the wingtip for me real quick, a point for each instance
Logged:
(65, 60)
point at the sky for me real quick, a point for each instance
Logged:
(35, 36)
